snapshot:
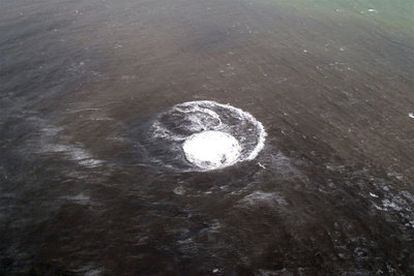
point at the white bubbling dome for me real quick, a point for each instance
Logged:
(210, 150)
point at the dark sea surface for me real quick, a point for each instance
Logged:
(331, 193)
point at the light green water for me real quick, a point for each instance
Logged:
(396, 16)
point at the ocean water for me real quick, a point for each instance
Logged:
(330, 193)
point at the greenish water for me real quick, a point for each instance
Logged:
(395, 16)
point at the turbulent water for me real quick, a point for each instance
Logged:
(180, 137)
(104, 105)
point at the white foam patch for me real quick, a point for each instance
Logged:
(259, 198)
(261, 133)
(203, 135)
(75, 153)
(210, 150)
(79, 199)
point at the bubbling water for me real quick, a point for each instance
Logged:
(211, 150)
(203, 136)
